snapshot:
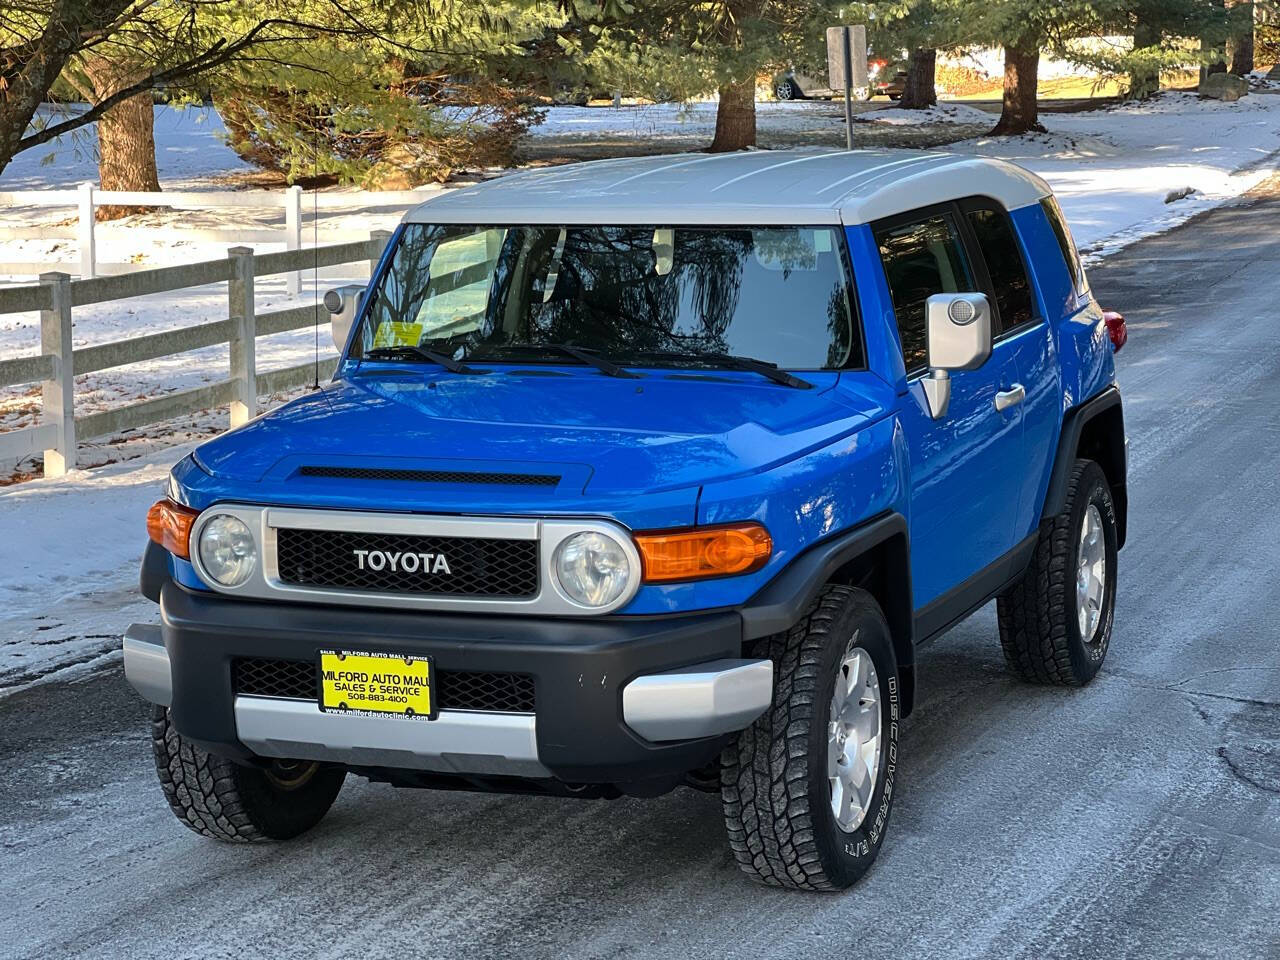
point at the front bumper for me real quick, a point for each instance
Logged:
(618, 700)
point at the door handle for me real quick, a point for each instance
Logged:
(1011, 397)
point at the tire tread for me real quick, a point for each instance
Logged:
(764, 779)
(1034, 613)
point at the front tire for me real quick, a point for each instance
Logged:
(786, 90)
(807, 788)
(1055, 622)
(237, 804)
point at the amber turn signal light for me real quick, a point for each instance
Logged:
(169, 524)
(707, 552)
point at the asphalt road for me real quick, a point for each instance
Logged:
(1139, 817)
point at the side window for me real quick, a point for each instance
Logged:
(1069, 253)
(921, 258)
(1008, 271)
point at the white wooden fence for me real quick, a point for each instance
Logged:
(87, 198)
(57, 364)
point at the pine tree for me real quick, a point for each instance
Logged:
(1024, 28)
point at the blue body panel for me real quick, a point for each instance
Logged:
(683, 448)
(1070, 361)
(964, 471)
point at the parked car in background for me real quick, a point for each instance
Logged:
(791, 85)
(886, 78)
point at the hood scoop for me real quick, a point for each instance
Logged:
(431, 476)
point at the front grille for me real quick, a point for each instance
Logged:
(432, 476)
(454, 689)
(475, 567)
(290, 679)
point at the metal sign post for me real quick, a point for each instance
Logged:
(848, 89)
(847, 68)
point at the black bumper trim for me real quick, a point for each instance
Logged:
(579, 666)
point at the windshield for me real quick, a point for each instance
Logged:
(775, 294)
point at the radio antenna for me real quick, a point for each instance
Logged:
(315, 245)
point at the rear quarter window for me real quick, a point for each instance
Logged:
(1058, 221)
(1010, 288)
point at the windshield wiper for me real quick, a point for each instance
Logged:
(400, 351)
(588, 357)
(734, 362)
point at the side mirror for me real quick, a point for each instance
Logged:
(343, 303)
(958, 333)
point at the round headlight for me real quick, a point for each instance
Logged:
(593, 569)
(227, 551)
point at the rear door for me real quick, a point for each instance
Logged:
(966, 477)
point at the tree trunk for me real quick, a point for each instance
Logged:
(735, 117)
(1021, 83)
(1240, 46)
(1144, 81)
(921, 89)
(126, 134)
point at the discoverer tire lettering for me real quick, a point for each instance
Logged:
(773, 777)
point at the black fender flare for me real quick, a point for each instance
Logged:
(1105, 443)
(783, 600)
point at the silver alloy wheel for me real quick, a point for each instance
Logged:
(1091, 573)
(785, 90)
(853, 737)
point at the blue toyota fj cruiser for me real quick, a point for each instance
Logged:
(643, 473)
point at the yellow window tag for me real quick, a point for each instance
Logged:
(392, 334)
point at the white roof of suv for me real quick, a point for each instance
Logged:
(759, 188)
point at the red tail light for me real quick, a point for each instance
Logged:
(1116, 329)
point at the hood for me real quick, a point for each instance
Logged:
(600, 435)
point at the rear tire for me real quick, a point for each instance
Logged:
(238, 804)
(1055, 628)
(786, 90)
(780, 800)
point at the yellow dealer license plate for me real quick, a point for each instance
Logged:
(376, 684)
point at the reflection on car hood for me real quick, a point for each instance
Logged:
(668, 430)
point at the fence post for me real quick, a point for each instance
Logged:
(58, 394)
(244, 405)
(85, 233)
(380, 237)
(293, 233)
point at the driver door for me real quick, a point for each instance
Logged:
(965, 471)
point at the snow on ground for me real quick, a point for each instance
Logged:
(1114, 169)
(190, 153)
(67, 535)
(660, 121)
(71, 547)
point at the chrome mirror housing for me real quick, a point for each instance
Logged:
(958, 333)
(343, 304)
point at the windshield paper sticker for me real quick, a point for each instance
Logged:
(393, 334)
